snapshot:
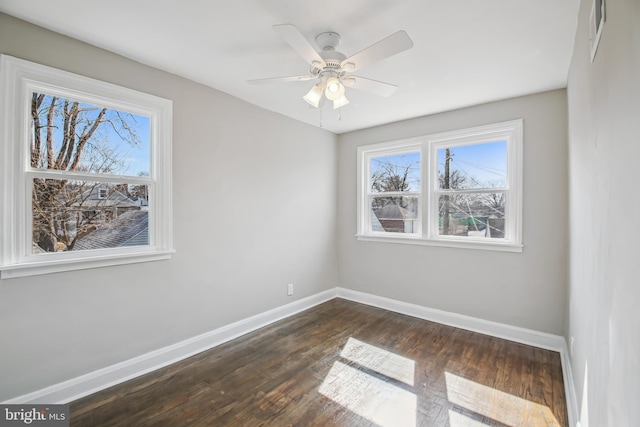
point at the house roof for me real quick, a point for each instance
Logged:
(91, 198)
(393, 211)
(129, 229)
(375, 223)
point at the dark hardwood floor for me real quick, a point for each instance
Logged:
(344, 364)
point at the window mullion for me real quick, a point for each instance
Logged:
(394, 194)
(454, 191)
(93, 177)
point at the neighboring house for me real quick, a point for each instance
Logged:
(129, 229)
(394, 218)
(140, 201)
(116, 219)
(479, 226)
(478, 219)
(495, 228)
(105, 199)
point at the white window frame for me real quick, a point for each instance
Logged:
(18, 79)
(509, 131)
(403, 147)
(102, 193)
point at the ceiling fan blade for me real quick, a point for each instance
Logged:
(369, 85)
(300, 44)
(281, 80)
(395, 43)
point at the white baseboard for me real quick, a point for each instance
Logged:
(498, 330)
(569, 387)
(92, 382)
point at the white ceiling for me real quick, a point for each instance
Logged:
(465, 52)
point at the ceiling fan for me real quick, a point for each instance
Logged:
(332, 69)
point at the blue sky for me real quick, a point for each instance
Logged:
(401, 161)
(136, 157)
(133, 156)
(484, 165)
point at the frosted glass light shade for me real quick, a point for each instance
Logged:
(334, 90)
(313, 96)
(340, 102)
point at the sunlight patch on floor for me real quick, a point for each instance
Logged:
(374, 399)
(365, 394)
(457, 419)
(379, 360)
(495, 404)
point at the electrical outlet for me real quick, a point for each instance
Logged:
(290, 289)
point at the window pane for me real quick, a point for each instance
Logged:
(398, 172)
(82, 215)
(473, 166)
(77, 136)
(394, 214)
(473, 215)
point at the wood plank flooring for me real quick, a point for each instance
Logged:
(344, 364)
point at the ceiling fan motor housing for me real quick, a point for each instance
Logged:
(328, 42)
(333, 64)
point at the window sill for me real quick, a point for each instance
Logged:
(58, 265)
(447, 243)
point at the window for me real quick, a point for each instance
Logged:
(86, 178)
(460, 189)
(393, 190)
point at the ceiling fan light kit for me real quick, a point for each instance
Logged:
(314, 96)
(334, 89)
(330, 67)
(340, 102)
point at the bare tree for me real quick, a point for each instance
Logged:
(391, 177)
(446, 184)
(65, 136)
(495, 202)
(472, 205)
(450, 180)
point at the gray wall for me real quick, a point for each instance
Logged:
(604, 153)
(254, 209)
(238, 164)
(522, 289)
